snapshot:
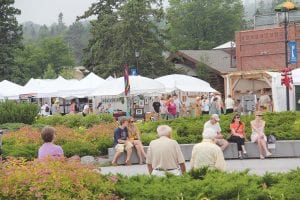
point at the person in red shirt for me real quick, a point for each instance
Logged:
(238, 135)
(171, 109)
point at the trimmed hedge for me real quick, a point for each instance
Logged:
(211, 185)
(12, 112)
(284, 125)
(75, 121)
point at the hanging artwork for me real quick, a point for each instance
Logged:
(146, 101)
(141, 103)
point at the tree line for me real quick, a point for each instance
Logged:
(133, 32)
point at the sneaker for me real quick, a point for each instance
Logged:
(268, 154)
(261, 157)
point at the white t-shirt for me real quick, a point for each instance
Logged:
(229, 103)
(216, 127)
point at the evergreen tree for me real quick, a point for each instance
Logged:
(77, 38)
(49, 73)
(121, 29)
(10, 37)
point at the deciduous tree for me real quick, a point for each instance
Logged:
(203, 24)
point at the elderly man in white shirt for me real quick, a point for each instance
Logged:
(207, 153)
(164, 154)
(213, 123)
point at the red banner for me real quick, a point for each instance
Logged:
(126, 80)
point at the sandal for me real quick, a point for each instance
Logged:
(127, 162)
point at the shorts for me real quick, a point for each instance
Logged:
(176, 172)
(254, 137)
(220, 142)
(123, 147)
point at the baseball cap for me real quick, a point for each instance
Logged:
(215, 116)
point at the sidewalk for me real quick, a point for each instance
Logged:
(256, 166)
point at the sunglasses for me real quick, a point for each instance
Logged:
(237, 117)
(259, 115)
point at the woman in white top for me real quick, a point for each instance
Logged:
(258, 135)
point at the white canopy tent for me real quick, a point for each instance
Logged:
(10, 90)
(184, 83)
(81, 88)
(296, 76)
(138, 85)
(44, 88)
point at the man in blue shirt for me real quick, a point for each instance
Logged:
(121, 142)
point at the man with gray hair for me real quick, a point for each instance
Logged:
(164, 154)
(207, 153)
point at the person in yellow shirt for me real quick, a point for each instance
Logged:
(207, 153)
(135, 139)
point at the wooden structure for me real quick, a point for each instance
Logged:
(241, 82)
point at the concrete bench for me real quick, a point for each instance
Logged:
(284, 148)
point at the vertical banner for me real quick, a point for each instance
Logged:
(293, 52)
(126, 80)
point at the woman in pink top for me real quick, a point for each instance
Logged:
(171, 109)
(48, 149)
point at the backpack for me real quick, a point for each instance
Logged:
(271, 139)
(47, 109)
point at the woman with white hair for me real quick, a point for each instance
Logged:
(207, 153)
(164, 154)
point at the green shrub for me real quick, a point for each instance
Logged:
(189, 129)
(207, 184)
(12, 126)
(75, 121)
(81, 141)
(60, 179)
(12, 112)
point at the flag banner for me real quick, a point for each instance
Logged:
(126, 80)
(293, 52)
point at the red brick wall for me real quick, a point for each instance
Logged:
(264, 49)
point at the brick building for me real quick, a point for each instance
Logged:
(264, 48)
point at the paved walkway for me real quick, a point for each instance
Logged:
(256, 166)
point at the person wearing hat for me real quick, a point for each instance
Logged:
(213, 123)
(207, 153)
(164, 154)
(258, 135)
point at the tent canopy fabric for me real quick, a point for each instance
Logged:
(46, 87)
(184, 83)
(138, 85)
(81, 88)
(296, 76)
(10, 90)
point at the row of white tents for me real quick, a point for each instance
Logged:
(93, 85)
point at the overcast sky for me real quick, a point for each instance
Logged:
(46, 11)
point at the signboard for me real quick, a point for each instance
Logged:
(293, 52)
(133, 71)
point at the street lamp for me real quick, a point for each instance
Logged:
(137, 55)
(285, 7)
